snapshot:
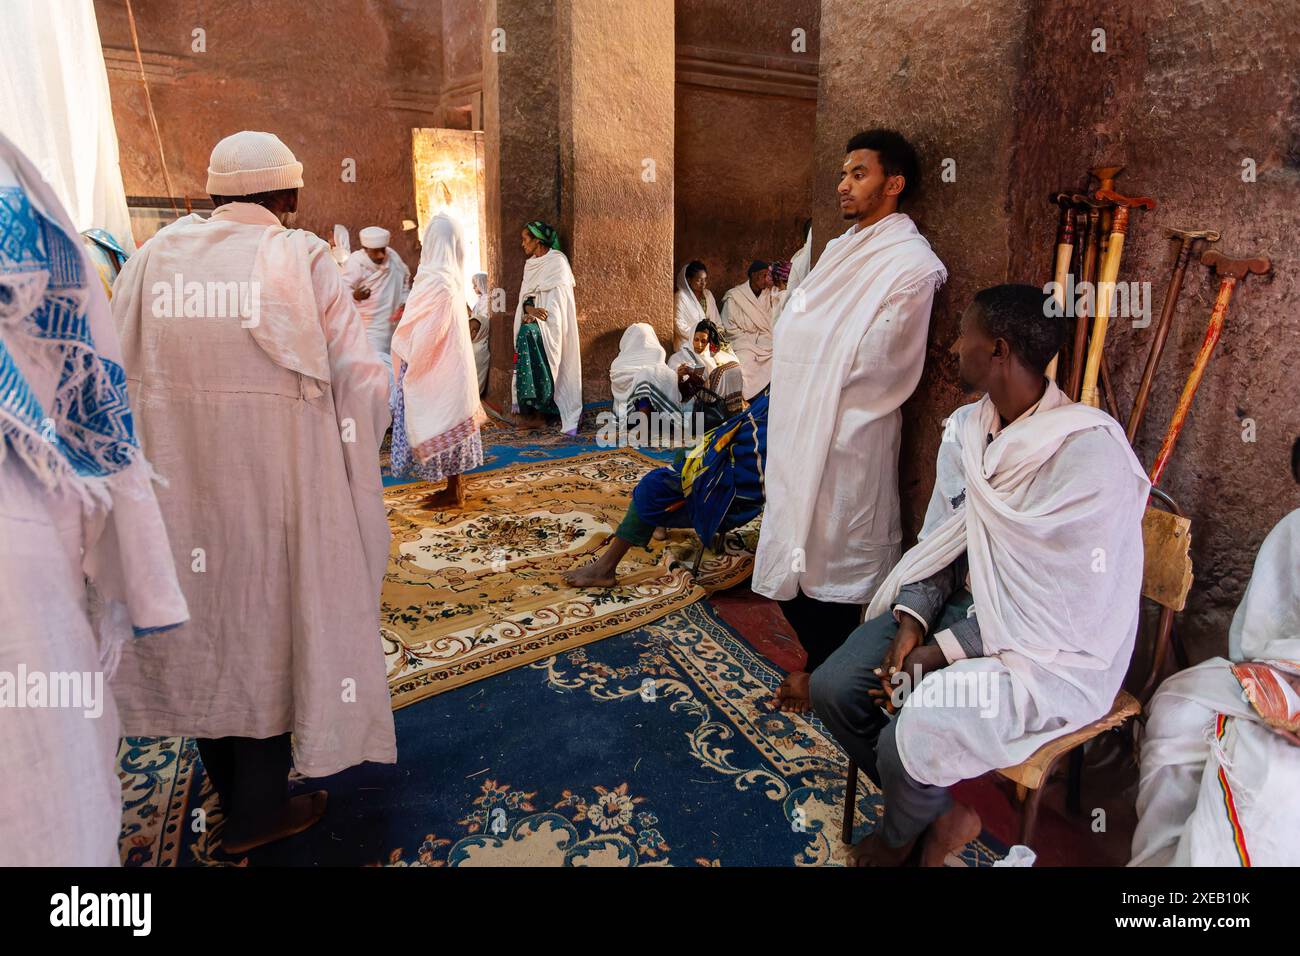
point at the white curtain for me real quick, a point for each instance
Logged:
(54, 105)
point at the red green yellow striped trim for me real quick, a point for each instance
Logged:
(1229, 803)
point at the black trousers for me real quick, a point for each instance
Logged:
(820, 625)
(251, 777)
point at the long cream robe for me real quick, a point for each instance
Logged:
(482, 313)
(389, 285)
(84, 562)
(549, 280)
(1049, 516)
(1191, 759)
(274, 504)
(843, 367)
(747, 323)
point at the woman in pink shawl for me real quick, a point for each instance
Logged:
(436, 411)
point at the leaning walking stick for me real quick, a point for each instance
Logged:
(1230, 272)
(1105, 176)
(1106, 288)
(1064, 252)
(1187, 239)
(1088, 274)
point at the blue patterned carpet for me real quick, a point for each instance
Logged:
(656, 747)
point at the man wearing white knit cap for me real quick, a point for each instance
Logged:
(260, 402)
(378, 280)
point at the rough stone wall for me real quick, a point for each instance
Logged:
(344, 79)
(616, 120)
(1183, 93)
(744, 159)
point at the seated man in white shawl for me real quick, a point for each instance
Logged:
(378, 280)
(266, 422)
(1011, 622)
(748, 312)
(641, 379)
(84, 563)
(1220, 766)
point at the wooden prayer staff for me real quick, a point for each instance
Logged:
(1106, 178)
(1187, 238)
(1064, 252)
(1230, 271)
(1087, 273)
(1106, 288)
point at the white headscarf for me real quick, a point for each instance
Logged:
(641, 360)
(440, 385)
(689, 312)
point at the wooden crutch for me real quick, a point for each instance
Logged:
(1187, 239)
(1087, 273)
(1230, 272)
(1106, 287)
(1064, 253)
(1105, 176)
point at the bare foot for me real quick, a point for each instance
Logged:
(300, 813)
(792, 696)
(592, 575)
(535, 422)
(447, 498)
(949, 833)
(872, 851)
(661, 534)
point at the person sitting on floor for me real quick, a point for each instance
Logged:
(720, 481)
(710, 375)
(1220, 760)
(1036, 524)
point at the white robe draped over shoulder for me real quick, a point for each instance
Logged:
(747, 321)
(842, 367)
(549, 280)
(268, 434)
(1217, 784)
(1049, 516)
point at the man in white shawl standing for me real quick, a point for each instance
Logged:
(85, 566)
(845, 360)
(1220, 765)
(265, 415)
(436, 415)
(694, 304)
(1012, 620)
(378, 280)
(748, 313)
(548, 365)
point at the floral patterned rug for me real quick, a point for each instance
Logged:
(471, 593)
(658, 747)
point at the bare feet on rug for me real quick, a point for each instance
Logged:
(949, 833)
(661, 534)
(453, 496)
(535, 422)
(603, 572)
(872, 851)
(792, 695)
(301, 813)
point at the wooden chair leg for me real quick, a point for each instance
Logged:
(1029, 816)
(699, 560)
(1074, 782)
(850, 803)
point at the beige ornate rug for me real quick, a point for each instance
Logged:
(475, 592)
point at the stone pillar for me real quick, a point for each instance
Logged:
(578, 116)
(945, 76)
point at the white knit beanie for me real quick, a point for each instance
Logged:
(251, 162)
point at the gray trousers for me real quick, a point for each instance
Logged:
(839, 697)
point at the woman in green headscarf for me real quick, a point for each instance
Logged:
(548, 364)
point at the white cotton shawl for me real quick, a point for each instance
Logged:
(641, 361)
(813, 354)
(483, 313)
(387, 284)
(1051, 525)
(440, 386)
(689, 313)
(1183, 817)
(747, 321)
(549, 280)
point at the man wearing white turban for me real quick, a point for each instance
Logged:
(378, 280)
(265, 415)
